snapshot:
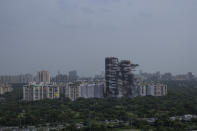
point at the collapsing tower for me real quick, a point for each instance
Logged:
(119, 78)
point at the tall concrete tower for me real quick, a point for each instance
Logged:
(119, 77)
(44, 76)
(112, 71)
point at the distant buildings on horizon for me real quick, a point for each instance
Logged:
(5, 88)
(12, 79)
(26, 78)
(43, 76)
(166, 76)
(117, 81)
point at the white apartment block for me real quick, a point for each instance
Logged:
(72, 91)
(160, 89)
(84, 90)
(142, 90)
(33, 91)
(152, 89)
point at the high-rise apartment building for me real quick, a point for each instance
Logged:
(44, 76)
(92, 90)
(119, 77)
(112, 73)
(127, 78)
(60, 78)
(85, 90)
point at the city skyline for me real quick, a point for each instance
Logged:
(78, 35)
(59, 72)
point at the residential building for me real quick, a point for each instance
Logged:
(185, 77)
(99, 89)
(167, 76)
(72, 75)
(60, 78)
(43, 76)
(112, 72)
(87, 90)
(127, 79)
(72, 91)
(92, 90)
(33, 91)
(84, 89)
(119, 78)
(160, 89)
(190, 76)
(4, 88)
(151, 89)
(14, 79)
(142, 90)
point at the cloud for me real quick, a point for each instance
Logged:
(145, 14)
(69, 32)
(87, 10)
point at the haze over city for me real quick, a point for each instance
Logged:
(78, 34)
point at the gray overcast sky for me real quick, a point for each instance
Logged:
(160, 35)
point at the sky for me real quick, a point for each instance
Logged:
(63, 35)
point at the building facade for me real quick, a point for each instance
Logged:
(85, 90)
(72, 91)
(43, 76)
(60, 78)
(5, 88)
(142, 90)
(33, 91)
(152, 89)
(112, 73)
(72, 76)
(119, 78)
(13, 79)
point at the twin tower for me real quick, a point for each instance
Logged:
(119, 77)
